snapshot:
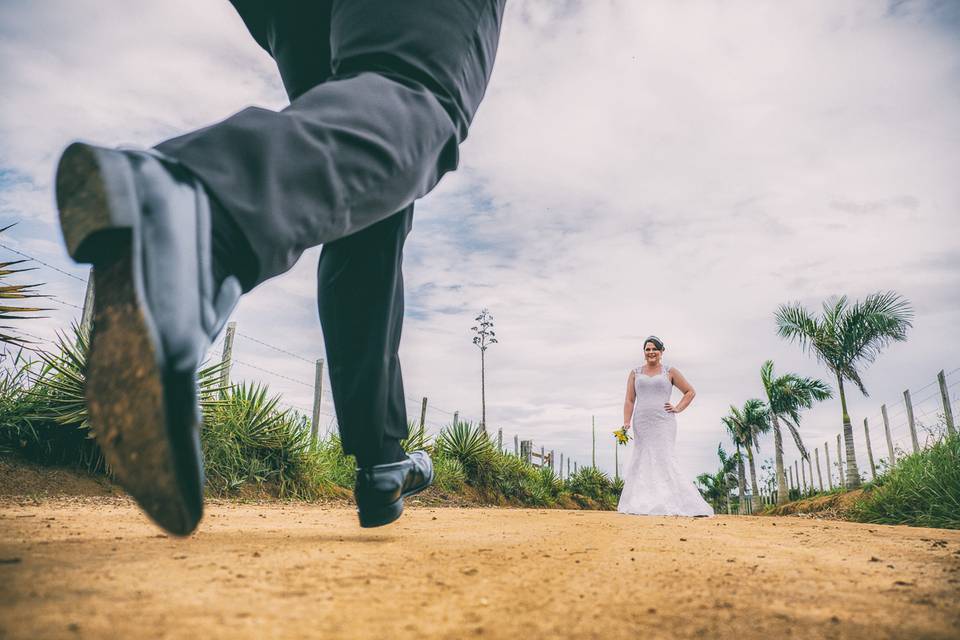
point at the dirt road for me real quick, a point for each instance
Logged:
(95, 568)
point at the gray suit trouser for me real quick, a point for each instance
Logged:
(382, 93)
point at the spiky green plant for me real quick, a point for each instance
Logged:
(846, 338)
(594, 484)
(787, 395)
(450, 474)
(10, 291)
(417, 438)
(469, 444)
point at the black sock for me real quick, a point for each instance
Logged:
(232, 253)
(390, 451)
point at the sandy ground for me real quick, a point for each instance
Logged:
(96, 568)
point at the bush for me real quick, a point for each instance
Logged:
(471, 446)
(592, 483)
(922, 490)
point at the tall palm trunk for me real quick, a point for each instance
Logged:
(853, 473)
(741, 482)
(483, 392)
(755, 500)
(782, 489)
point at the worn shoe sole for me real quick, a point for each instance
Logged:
(142, 416)
(380, 516)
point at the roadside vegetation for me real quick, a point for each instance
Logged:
(252, 445)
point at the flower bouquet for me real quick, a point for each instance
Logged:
(621, 435)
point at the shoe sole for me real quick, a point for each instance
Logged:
(380, 516)
(130, 399)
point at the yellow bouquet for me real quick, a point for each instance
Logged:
(621, 435)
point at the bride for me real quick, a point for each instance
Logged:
(652, 482)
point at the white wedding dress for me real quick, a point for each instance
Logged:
(652, 482)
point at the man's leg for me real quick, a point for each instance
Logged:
(360, 297)
(406, 81)
(360, 286)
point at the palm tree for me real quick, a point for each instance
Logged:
(846, 338)
(716, 486)
(749, 422)
(739, 440)
(786, 396)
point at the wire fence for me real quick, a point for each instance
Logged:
(294, 379)
(916, 420)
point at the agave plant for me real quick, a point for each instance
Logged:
(469, 444)
(417, 438)
(8, 292)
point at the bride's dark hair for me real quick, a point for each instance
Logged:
(657, 342)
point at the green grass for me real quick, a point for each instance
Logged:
(252, 445)
(922, 490)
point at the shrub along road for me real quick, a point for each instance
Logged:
(95, 568)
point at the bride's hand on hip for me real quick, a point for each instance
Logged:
(669, 408)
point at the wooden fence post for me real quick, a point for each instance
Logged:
(910, 420)
(803, 475)
(526, 450)
(796, 475)
(516, 445)
(542, 452)
(816, 453)
(86, 316)
(500, 439)
(866, 432)
(423, 412)
(568, 467)
(553, 466)
(574, 468)
(317, 395)
(813, 489)
(886, 430)
(227, 354)
(789, 479)
(826, 452)
(947, 409)
(456, 418)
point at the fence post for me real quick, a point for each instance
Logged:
(816, 453)
(947, 409)
(227, 354)
(568, 467)
(866, 432)
(813, 489)
(803, 475)
(553, 466)
(317, 395)
(886, 430)
(843, 480)
(574, 467)
(423, 412)
(910, 420)
(500, 439)
(826, 452)
(456, 418)
(516, 445)
(593, 454)
(542, 452)
(86, 315)
(789, 479)
(526, 450)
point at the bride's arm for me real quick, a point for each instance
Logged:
(629, 401)
(685, 387)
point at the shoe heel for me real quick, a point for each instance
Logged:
(380, 516)
(97, 202)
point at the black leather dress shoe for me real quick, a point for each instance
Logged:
(380, 489)
(144, 224)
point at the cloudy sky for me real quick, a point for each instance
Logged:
(657, 167)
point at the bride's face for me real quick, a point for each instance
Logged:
(652, 354)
